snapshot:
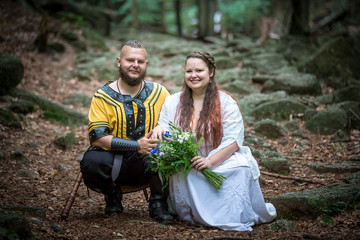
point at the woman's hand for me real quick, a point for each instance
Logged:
(158, 132)
(200, 163)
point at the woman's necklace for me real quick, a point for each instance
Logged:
(141, 87)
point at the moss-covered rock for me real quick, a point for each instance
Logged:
(74, 40)
(272, 161)
(269, 129)
(291, 125)
(224, 62)
(328, 121)
(265, 62)
(22, 106)
(78, 99)
(93, 65)
(14, 226)
(342, 167)
(294, 83)
(95, 39)
(312, 203)
(8, 119)
(248, 103)
(66, 140)
(224, 76)
(278, 110)
(53, 112)
(331, 59)
(11, 72)
(239, 87)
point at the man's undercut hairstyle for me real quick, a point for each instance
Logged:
(133, 44)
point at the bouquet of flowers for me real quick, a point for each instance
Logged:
(174, 153)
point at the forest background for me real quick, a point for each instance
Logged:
(291, 65)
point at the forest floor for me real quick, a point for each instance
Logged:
(57, 168)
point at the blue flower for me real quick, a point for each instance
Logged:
(167, 134)
(154, 150)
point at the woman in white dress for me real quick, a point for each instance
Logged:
(214, 115)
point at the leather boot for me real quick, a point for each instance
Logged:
(158, 209)
(113, 202)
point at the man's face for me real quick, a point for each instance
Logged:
(132, 65)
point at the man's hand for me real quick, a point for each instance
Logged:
(146, 143)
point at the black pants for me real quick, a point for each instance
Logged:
(96, 167)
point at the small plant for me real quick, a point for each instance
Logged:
(77, 20)
(333, 209)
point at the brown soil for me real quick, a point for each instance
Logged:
(58, 168)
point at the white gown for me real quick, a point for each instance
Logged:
(239, 204)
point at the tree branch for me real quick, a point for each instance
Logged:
(293, 178)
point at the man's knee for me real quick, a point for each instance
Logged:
(96, 169)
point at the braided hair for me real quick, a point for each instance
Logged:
(209, 125)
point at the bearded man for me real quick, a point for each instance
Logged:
(121, 118)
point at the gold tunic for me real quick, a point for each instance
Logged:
(122, 116)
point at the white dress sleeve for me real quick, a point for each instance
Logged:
(233, 131)
(233, 125)
(168, 111)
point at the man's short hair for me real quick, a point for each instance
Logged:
(133, 44)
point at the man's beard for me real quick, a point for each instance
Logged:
(129, 80)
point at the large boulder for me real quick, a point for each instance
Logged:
(269, 129)
(94, 65)
(248, 103)
(22, 106)
(265, 62)
(74, 40)
(272, 161)
(224, 76)
(8, 119)
(78, 99)
(352, 109)
(240, 87)
(14, 226)
(350, 93)
(66, 140)
(224, 62)
(53, 112)
(342, 167)
(294, 83)
(334, 58)
(312, 203)
(278, 109)
(11, 72)
(328, 121)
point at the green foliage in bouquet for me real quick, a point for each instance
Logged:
(174, 153)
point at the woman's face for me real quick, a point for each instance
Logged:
(197, 75)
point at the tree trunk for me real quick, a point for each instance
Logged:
(300, 18)
(177, 5)
(41, 39)
(206, 17)
(162, 16)
(134, 17)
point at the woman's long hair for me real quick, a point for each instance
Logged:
(209, 125)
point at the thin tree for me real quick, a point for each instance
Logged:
(206, 17)
(301, 18)
(134, 17)
(177, 6)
